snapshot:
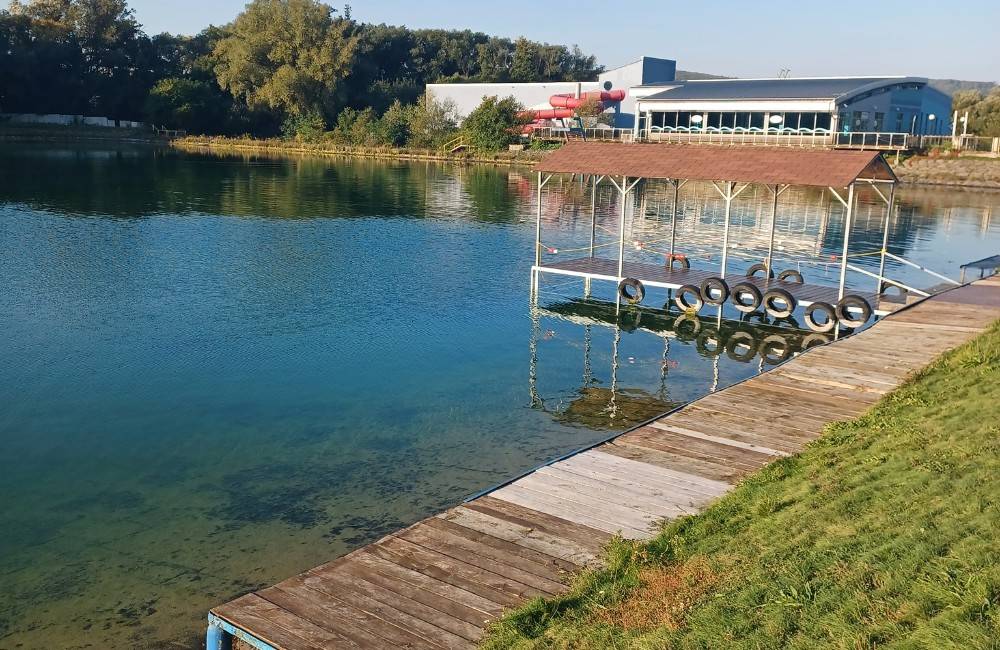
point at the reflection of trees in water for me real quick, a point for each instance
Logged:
(139, 181)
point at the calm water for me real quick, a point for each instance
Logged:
(217, 372)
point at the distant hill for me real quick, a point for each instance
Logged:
(952, 86)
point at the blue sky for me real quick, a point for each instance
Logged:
(915, 37)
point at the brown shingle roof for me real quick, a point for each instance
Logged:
(820, 167)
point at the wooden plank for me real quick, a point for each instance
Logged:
(431, 625)
(667, 460)
(454, 601)
(338, 618)
(609, 467)
(277, 627)
(655, 499)
(559, 548)
(734, 439)
(487, 584)
(607, 509)
(554, 567)
(585, 536)
(700, 484)
(658, 503)
(510, 566)
(659, 437)
(633, 527)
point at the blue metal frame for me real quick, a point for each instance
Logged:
(218, 629)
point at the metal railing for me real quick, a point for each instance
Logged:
(754, 137)
(873, 140)
(590, 133)
(970, 143)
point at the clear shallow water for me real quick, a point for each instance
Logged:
(217, 372)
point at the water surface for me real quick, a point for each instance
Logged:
(219, 371)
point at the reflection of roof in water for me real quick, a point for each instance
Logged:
(600, 408)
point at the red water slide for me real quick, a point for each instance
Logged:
(564, 105)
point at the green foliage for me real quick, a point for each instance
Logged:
(432, 122)
(304, 127)
(984, 111)
(189, 104)
(287, 55)
(395, 124)
(278, 58)
(357, 128)
(881, 533)
(494, 124)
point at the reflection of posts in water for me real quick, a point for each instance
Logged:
(664, 364)
(613, 405)
(536, 327)
(588, 375)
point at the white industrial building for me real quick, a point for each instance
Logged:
(646, 71)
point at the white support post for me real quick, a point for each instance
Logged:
(673, 221)
(847, 240)
(538, 222)
(621, 231)
(730, 185)
(769, 263)
(889, 209)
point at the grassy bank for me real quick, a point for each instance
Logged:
(881, 532)
(250, 145)
(962, 171)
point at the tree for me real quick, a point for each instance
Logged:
(189, 104)
(395, 124)
(984, 111)
(290, 56)
(494, 124)
(432, 122)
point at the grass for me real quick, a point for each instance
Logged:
(883, 532)
(960, 171)
(279, 147)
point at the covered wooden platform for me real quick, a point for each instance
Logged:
(438, 583)
(731, 170)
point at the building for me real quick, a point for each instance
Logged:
(644, 72)
(818, 106)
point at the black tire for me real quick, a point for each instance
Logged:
(775, 295)
(790, 275)
(883, 290)
(756, 268)
(683, 332)
(678, 259)
(741, 338)
(681, 301)
(637, 294)
(812, 340)
(822, 308)
(716, 285)
(704, 338)
(775, 341)
(744, 289)
(846, 304)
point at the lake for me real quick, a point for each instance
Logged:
(218, 371)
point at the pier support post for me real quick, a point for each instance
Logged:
(673, 218)
(889, 209)
(538, 231)
(728, 195)
(215, 636)
(848, 215)
(775, 192)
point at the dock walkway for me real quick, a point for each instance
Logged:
(438, 583)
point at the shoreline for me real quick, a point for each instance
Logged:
(218, 144)
(962, 173)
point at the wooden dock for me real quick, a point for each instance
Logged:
(439, 582)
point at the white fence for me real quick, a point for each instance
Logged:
(68, 120)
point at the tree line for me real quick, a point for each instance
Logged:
(293, 67)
